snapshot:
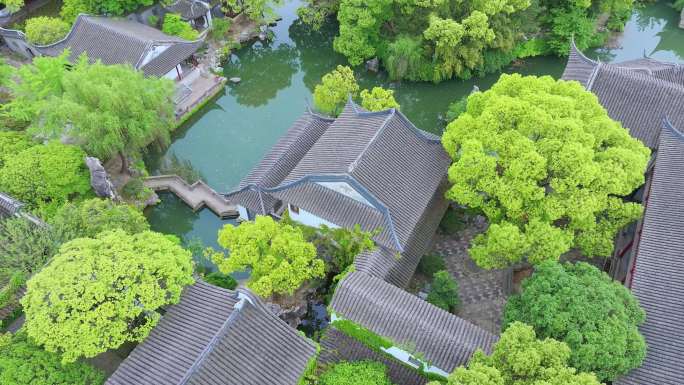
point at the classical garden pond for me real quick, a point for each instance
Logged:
(230, 135)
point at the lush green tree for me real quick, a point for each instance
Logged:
(444, 291)
(12, 143)
(45, 30)
(24, 363)
(72, 8)
(110, 109)
(13, 5)
(88, 218)
(175, 26)
(24, 246)
(46, 176)
(360, 23)
(6, 72)
(548, 167)
(335, 89)
(356, 373)
(35, 88)
(97, 293)
(404, 59)
(257, 10)
(519, 358)
(580, 305)
(378, 99)
(279, 257)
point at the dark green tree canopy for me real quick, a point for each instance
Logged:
(548, 167)
(578, 304)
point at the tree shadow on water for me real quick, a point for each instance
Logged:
(264, 70)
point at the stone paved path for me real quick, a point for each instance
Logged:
(482, 292)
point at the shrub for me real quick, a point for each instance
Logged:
(220, 28)
(175, 26)
(24, 247)
(22, 363)
(362, 334)
(583, 307)
(444, 291)
(44, 30)
(430, 264)
(357, 373)
(334, 90)
(221, 280)
(153, 20)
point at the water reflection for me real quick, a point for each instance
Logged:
(264, 69)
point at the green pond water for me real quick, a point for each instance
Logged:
(225, 140)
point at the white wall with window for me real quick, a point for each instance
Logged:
(306, 218)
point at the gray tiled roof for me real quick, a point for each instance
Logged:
(441, 338)
(637, 93)
(395, 166)
(337, 347)
(120, 41)
(279, 161)
(396, 268)
(188, 9)
(213, 338)
(9, 205)
(658, 280)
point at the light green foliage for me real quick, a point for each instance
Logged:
(360, 22)
(24, 247)
(280, 258)
(378, 99)
(24, 363)
(519, 358)
(355, 373)
(8, 293)
(342, 245)
(71, 8)
(36, 88)
(219, 28)
(6, 72)
(547, 166)
(98, 293)
(362, 335)
(316, 12)
(336, 86)
(175, 26)
(221, 280)
(46, 176)
(12, 143)
(45, 30)
(405, 60)
(444, 291)
(111, 109)
(458, 46)
(93, 216)
(580, 305)
(13, 5)
(475, 374)
(257, 10)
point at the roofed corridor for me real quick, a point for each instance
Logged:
(196, 195)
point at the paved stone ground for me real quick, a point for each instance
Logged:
(481, 291)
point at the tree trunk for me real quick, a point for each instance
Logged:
(124, 163)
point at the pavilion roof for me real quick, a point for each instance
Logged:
(215, 336)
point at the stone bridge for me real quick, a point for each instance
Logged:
(196, 195)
